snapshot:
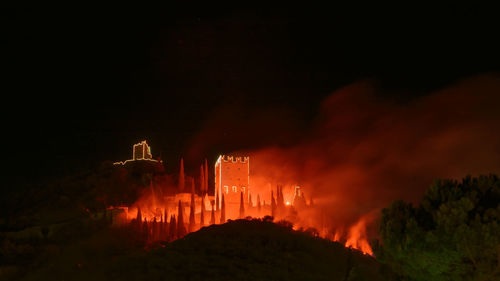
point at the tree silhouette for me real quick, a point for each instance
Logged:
(273, 205)
(139, 215)
(145, 230)
(280, 204)
(212, 216)
(242, 206)
(154, 230)
(181, 228)
(202, 213)
(223, 211)
(165, 227)
(161, 227)
(192, 223)
(138, 221)
(192, 185)
(451, 235)
(202, 180)
(206, 175)
(181, 177)
(217, 201)
(173, 228)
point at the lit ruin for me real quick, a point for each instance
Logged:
(173, 206)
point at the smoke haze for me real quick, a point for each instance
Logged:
(362, 151)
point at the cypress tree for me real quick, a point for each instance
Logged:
(242, 206)
(217, 201)
(202, 179)
(192, 223)
(145, 230)
(279, 197)
(259, 207)
(250, 203)
(139, 215)
(277, 206)
(302, 200)
(273, 205)
(181, 177)
(280, 204)
(202, 215)
(165, 227)
(138, 220)
(173, 228)
(206, 176)
(212, 217)
(223, 211)
(161, 232)
(192, 185)
(154, 230)
(181, 228)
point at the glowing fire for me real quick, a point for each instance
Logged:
(167, 211)
(155, 210)
(357, 238)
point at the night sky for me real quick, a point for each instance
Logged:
(81, 86)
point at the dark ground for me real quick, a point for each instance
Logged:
(237, 250)
(58, 231)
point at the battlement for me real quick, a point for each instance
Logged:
(140, 151)
(234, 159)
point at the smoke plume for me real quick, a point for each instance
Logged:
(363, 151)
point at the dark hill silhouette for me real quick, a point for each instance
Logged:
(249, 250)
(236, 250)
(59, 231)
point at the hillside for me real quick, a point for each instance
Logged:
(237, 250)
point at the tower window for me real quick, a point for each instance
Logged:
(226, 189)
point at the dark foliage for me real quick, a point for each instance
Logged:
(454, 234)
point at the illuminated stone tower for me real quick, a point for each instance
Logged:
(141, 151)
(232, 176)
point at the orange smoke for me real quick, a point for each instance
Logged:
(362, 151)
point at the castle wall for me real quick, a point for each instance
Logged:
(232, 176)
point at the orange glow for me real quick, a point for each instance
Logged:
(262, 195)
(157, 210)
(361, 151)
(357, 237)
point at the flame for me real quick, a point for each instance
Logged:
(277, 194)
(153, 207)
(357, 238)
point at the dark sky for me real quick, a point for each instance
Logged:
(82, 86)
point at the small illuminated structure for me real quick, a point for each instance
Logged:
(297, 192)
(232, 176)
(140, 151)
